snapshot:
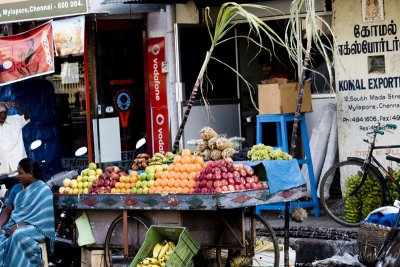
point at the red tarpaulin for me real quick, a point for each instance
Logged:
(27, 54)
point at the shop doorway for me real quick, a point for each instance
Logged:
(120, 81)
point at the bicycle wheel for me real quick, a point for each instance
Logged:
(345, 177)
(261, 248)
(114, 242)
(389, 252)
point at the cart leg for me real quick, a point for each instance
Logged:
(286, 241)
(125, 230)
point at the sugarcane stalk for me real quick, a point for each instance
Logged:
(191, 100)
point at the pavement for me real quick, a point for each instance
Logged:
(309, 238)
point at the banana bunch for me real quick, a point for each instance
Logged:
(141, 162)
(161, 253)
(158, 159)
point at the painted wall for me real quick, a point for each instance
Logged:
(367, 72)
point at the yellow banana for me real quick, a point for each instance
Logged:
(156, 250)
(146, 261)
(172, 245)
(154, 261)
(163, 250)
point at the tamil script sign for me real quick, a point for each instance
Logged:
(22, 10)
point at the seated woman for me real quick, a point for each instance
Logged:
(30, 220)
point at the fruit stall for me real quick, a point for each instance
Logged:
(212, 197)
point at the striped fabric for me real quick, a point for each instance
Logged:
(34, 205)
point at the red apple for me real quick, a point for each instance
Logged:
(228, 161)
(211, 190)
(102, 176)
(203, 183)
(255, 178)
(249, 170)
(247, 185)
(114, 176)
(95, 183)
(100, 183)
(209, 164)
(210, 184)
(231, 181)
(115, 169)
(218, 190)
(112, 184)
(254, 186)
(243, 173)
(217, 176)
(242, 187)
(107, 182)
(217, 184)
(237, 187)
(260, 186)
(249, 180)
(216, 170)
(209, 176)
(209, 170)
(224, 188)
(223, 169)
(109, 169)
(224, 175)
(224, 182)
(197, 190)
(215, 163)
(197, 177)
(204, 190)
(229, 175)
(197, 184)
(231, 188)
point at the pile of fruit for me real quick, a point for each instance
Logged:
(213, 146)
(263, 152)
(140, 162)
(83, 183)
(225, 176)
(160, 158)
(161, 253)
(146, 181)
(179, 177)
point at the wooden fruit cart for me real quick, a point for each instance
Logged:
(225, 222)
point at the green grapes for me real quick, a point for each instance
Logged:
(263, 152)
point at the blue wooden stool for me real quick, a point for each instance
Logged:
(282, 142)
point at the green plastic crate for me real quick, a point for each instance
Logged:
(186, 245)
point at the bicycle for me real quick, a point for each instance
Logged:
(368, 178)
(388, 254)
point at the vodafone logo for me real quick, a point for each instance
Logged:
(160, 119)
(155, 49)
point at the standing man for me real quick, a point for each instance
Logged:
(12, 148)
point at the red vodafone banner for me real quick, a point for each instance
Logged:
(158, 94)
(159, 117)
(26, 55)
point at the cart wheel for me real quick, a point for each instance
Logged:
(114, 242)
(261, 248)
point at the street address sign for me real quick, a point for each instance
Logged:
(24, 10)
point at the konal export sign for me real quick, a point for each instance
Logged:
(23, 10)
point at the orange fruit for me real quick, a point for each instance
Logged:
(177, 183)
(164, 175)
(157, 182)
(172, 190)
(171, 182)
(199, 160)
(190, 183)
(184, 183)
(123, 191)
(183, 167)
(177, 159)
(164, 182)
(185, 190)
(158, 175)
(179, 190)
(184, 175)
(192, 176)
(159, 189)
(171, 174)
(186, 160)
(152, 190)
(186, 152)
(178, 175)
(177, 167)
(191, 190)
(192, 158)
(166, 189)
(127, 186)
(171, 167)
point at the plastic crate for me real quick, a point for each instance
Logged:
(186, 245)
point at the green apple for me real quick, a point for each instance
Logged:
(138, 184)
(86, 190)
(84, 172)
(150, 176)
(165, 167)
(66, 182)
(70, 191)
(99, 171)
(134, 190)
(159, 168)
(143, 176)
(74, 184)
(150, 183)
(92, 166)
(143, 184)
(145, 190)
(91, 173)
(89, 185)
(75, 191)
(79, 178)
(139, 191)
(80, 185)
(150, 169)
(62, 190)
(80, 190)
(90, 178)
(85, 184)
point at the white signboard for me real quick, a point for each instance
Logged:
(367, 74)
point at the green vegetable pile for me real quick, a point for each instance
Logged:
(263, 152)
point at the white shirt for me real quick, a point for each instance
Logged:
(12, 148)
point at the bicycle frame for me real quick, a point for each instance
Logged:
(371, 162)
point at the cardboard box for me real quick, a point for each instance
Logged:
(281, 98)
(92, 258)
